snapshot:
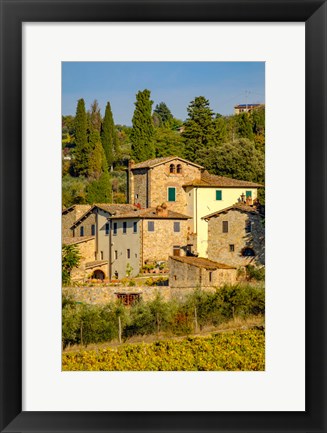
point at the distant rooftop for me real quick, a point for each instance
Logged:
(212, 180)
(157, 161)
(201, 262)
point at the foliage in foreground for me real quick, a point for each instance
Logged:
(85, 324)
(236, 351)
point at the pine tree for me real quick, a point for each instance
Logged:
(109, 136)
(82, 149)
(142, 134)
(164, 114)
(199, 132)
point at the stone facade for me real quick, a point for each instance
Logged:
(70, 215)
(149, 185)
(243, 235)
(190, 272)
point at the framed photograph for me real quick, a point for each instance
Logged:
(40, 41)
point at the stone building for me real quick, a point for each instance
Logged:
(88, 267)
(70, 215)
(161, 180)
(191, 272)
(187, 188)
(236, 235)
(146, 236)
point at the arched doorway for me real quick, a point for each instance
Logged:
(98, 274)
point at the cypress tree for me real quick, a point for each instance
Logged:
(95, 116)
(109, 136)
(97, 163)
(142, 134)
(82, 149)
(199, 128)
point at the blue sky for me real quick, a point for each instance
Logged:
(224, 84)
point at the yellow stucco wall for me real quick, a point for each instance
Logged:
(202, 202)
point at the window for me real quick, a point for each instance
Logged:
(128, 253)
(248, 252)
(232, 248)
(124, 227)
(179, 168)
(225, 226)
(115, 228)
(116, 254)
(210, 277)
(248, 227)
(93, 229)
(134, 227)
(150, 226)
(248, 194)
(107, 228)
(172, 168)
(101, 255)
(81, 231)
(177, 226)
(176, 250)
(219, 194)
(172, 194)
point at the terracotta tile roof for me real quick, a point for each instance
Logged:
(151, 213)
(111, 208)
(237, 206)
(157, 161)
(76, 239)
(212, 180)
(201, 262)
(95, 263)
(79, 207)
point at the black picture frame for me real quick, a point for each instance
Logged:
(13, 14)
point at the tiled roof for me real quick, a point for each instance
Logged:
(111, 208)
(79, 207)
(151, 213)
(237, 206)
(76, 239)
(212, 180)
(201, 262)
(96, 263)
(157, 161)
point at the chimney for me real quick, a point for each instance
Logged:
(130, 182)
(162, 210)
(249, 201)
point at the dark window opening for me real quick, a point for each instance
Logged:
(81, 231)
(128, 253)
(210, 277)
(101, 254)
(172, 168)
(116, 254)
(179, 168)
(135, 227)
(93, 229)
(177, 226)
(115, 228)
(248, 252)
(107, 228)
(128, 299)
(150, 226)
(124, 227)
(225, 226)
(231, 248)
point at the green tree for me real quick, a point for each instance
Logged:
(82, 149)
(244, 126)
(199, 130)
(109, 136)
(164, 114)
(98, 163)
(239, 159)
(142, 134)
(70, 260)
(100, 191)
(73, 190)
(95, 117)
(168, 143)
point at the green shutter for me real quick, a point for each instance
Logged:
(218, 194)
(171, 194)
(248, 194)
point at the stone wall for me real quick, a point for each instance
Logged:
(140, 187)
(69, 216)
(87, 224)
(158, 245)
(219, 243)
(87, 252)
(185, 276)
(161, 179)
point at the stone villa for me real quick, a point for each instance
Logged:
(173, 208)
